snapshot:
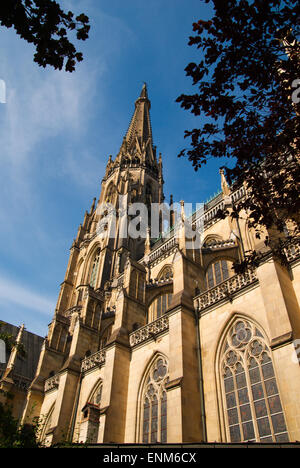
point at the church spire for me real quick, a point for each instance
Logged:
(137, 147)
(140, 125)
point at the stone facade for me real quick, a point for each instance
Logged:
(18, 370)
(152, 341)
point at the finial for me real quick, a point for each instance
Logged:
(182, 210)
(147, 243)
(144, 92)
(224, 184)
(93, 205)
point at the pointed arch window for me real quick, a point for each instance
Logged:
(252, 405)
(166, 274)
(110, 194)
(217, 272)
(96, 395)
(154, 404)
(94, 269)
(105, 336)
(159, 306)
(45, 438)
(90, 420)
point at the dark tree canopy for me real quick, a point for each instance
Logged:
(44, 24)
(245, 79)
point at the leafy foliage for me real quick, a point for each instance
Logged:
(13, 435)
(10, 342)
(44, 24)
(249, 60)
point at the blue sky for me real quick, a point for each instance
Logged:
(57, 130)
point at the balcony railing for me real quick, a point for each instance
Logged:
(52, 383)
(165, 247)
(95, 360)
(149, 331)
(229, 243)
(292, 251)
(225, 290)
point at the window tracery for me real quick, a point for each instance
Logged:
(154, 403)
(217, 272)
(96, 395)
(94, 270)
(159, 306)
(165, 274)
(252, 405)
(110, 194)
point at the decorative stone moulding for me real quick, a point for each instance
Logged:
(51, 383)
(149, 331)
(292, 252)
(95, 360)
(225, 290)
(221, 245)
(163, 249)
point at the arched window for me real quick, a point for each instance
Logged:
(217, 272)
(89, 426)
(46, 424)
(154, 404)
(251, 400)
(105, 336)
(133, 284)
(94, 269)
(159, 306)
(96, 395)
(148, 194)
(211, 240)
(110, 194)
(165, 274)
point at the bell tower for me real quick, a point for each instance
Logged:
(134, 176)
(103, 292)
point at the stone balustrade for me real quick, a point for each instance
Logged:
(94, 360)
(51, 383)
(159, 282)
(221, 244)
(292, 252)
(151, 330)
(225, 290)
(165, 247)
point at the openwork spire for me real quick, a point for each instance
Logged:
(137, 146)
(140, 125)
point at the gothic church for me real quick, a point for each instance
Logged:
(154, 341)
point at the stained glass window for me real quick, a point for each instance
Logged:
(95, 397)
(159, 306)
(94, 270)
(166, 274)
(217, 272)
(154, 403)
(253, 410)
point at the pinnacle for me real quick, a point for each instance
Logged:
(144, 92)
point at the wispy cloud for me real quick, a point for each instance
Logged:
(51, 153)
(40, 106)
(17, 294)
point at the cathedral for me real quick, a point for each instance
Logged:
(155, 338)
